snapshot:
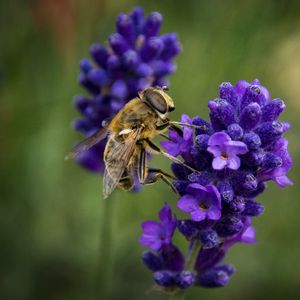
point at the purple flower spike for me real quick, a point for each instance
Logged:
(233, 157)
(201, 202)
(225, 151)
(155, 234)
(138, 56)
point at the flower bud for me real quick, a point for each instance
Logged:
(119, 89)
(98, 77)
(130, 59)
(223, 111)
(272, 110)
(201, 141)
(209, 238)
(271, 161)
(228, 226)
(184, 279)
(237, 205)
(252, 140)
(188, 228)
(125, 27)
(250, 116)
(164, 278)
(180, 171)
(118, 43)
(235, 131)
(216, 277)
(180, 186)
(151, 49)
(152, 24)
(225, 90)
(137, 17)
(243, 182)
(269, 132)
(143, 70)
(172, 258)
(162, 68)
(260, 188)
(87, 84)
(152, 261)
(171, 46)
(226, 191)
(253, 208)
(81, 103)
(99, 54)
(85, 65)
(204, 178)
(254, 158)
(206, 128)
(253, 93)
(113, 64)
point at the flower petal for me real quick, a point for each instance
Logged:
(187, 131)
(248, 236)
(198, 215)
(235, 147)
(151, 228)
(165, 215)
(233, 162)
(282, 181)
(152, 233)
(197, 190)
(218, 138)
(219, 163)
(171, 147)
(187, 203)
(214, 213)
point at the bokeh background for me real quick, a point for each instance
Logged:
(55, 240)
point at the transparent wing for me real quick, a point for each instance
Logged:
(88, 143)
(117, 161)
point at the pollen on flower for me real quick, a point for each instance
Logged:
(203, 206)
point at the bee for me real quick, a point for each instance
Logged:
(130, 134)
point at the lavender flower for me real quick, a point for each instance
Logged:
(155, 235)
(225, 151)
(234, 156)
(180, 144)
(201, 202)
(167, 262)
(137, 57)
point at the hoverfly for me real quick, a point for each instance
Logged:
(130, 135)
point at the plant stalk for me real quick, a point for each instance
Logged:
(104, 269)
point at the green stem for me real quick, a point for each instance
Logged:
(104, 264)
(192, 256)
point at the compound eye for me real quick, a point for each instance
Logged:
(157, 101)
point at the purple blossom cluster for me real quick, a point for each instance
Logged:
(136, 57)
(233, 155)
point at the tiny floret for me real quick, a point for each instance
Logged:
(225, 151)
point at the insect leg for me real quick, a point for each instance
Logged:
(154, 170)
(157, 149)
(164, 136)
(188, 125)
(167, 124)
(159, 174)
(142, 165)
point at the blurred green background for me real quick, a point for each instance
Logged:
(52, 220)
